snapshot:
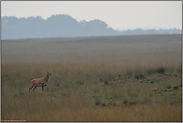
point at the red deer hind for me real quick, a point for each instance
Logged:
(41, 82)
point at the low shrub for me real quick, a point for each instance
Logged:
(169, 86)
(175, 75)
(106, 82)
(133, 102)
(97, 103)
(159, 75)
(125, 101)
(165, 90)
(161, 70)
(137, 76)
(104, 104)
(142, 76)
(170, 90)
(176, 87)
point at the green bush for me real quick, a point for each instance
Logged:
(106, 82)
(137, 76)
(165, 90)
(159, 75)
(169, 86)
(97, 103)
(166, 74)
(170, 90)
(176, 87)
(142, 76)
(103, 104)
(125, 101)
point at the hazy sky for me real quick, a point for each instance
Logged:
(120, 15)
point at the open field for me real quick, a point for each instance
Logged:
(120, 78)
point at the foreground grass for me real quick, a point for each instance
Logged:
(92, 92)
(129, 113)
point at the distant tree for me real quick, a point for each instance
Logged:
(64, 26)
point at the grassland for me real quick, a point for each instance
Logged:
(120, 78)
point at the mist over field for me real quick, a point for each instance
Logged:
(65, 26)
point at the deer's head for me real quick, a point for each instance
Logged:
(49, 73)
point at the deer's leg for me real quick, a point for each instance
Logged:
(42, 88)
(47, 87)
(34, 88)
(30, 88)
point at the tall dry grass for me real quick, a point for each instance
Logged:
(125, 114)
(101, 81)
(74, 90)
(76, 107)
(125, 50)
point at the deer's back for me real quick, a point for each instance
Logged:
(39, 81)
